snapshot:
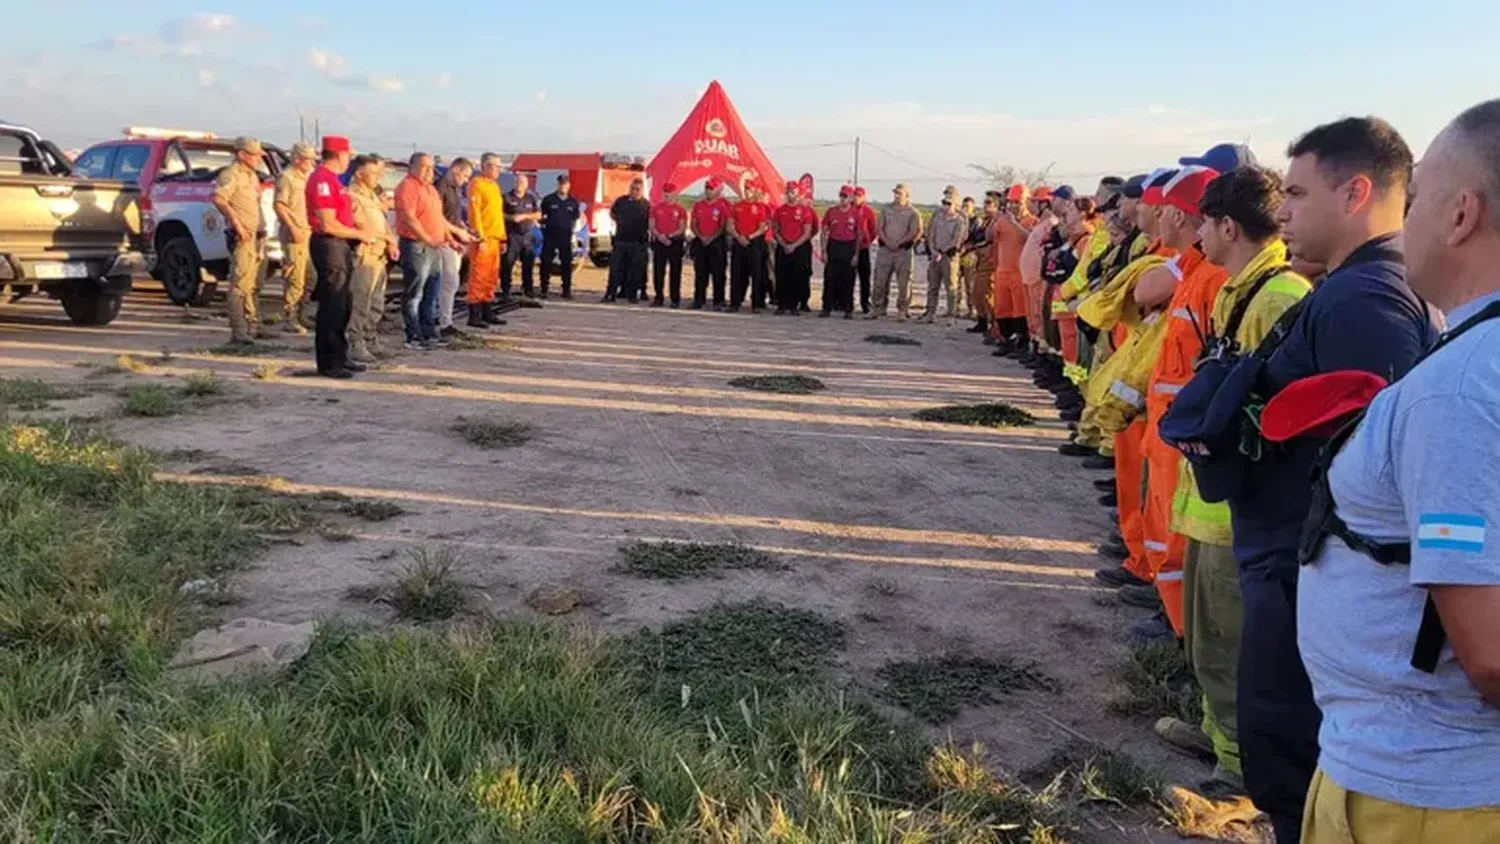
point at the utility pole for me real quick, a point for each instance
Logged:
(301, 130)
(856, 161)
(318, 132)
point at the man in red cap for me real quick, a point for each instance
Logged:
(749, 219)
(710, 219)
(841, 235)
(668, 227)
(795, 224)
(330, 215)
(869, 224)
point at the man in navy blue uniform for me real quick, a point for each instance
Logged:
(559, 220)
(1346, 192)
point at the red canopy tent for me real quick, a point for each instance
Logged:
(713, 141)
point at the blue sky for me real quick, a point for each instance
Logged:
(1088, 87)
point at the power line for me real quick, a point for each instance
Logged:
(919, 165)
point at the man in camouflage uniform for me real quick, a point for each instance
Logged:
(237, 198)
(291, 210)
(370, 259)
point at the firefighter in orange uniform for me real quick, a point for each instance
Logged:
(1008, 297)
(487, 219)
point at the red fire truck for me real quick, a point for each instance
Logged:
(598, 179)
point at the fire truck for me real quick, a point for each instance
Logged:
(598, 179)
(175, 169)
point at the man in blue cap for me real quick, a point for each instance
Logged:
(1222, 157)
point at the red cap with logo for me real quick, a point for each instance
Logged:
(335, 143)
(1314, 406)
(848, 190)
(713, 184)
(1185, 190)
(669, 187)
(858, 192)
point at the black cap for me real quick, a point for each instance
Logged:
(1110, 204)
(1134, 186)
(562, 178)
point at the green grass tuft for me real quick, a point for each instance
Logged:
(935, 689)
(794, 384)
(891, 340)
(490, 434)
(31, 394)
(1101, 774)
(372, 511)
(681, 560)
(1157, 683)
(428, 588)
(151, 400)
(202, 384)
(989, 415)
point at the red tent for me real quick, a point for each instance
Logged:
(713, 141)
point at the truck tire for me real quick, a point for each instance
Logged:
(181, 271)
(87, 305)
(599, 259)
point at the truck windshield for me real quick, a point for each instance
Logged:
(202, 164)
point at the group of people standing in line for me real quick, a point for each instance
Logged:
(1294, 380)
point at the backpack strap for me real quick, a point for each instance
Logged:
(1237, 316)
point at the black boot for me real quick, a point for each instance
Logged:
(980, 326)
(476, 317)
(489, 316)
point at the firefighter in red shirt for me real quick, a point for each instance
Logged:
(795, 225)
(868, 233)
(841, 225)
(668, 230)
(710, 218)
(748, 221)
(330, 214)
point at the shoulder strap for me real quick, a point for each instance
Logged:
(1237, 316)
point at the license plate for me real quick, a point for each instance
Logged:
(49, 270)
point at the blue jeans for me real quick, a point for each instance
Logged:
(420, 265)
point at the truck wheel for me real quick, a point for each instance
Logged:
(87, 305)
(181, 271)
(599, 259)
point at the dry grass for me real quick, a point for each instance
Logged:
(936, 689)
(681, 560)
(988, 415)
(792, 384)
(492, 434)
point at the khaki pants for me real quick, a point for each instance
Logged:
(296, 261)
(1336, 816)
(942, 274)
(978, 283)
(368, 291)
(890, 262)
(244, 286)
(1211, 613)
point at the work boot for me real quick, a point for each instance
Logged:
(979, 327)
(1109, 499)
(1185, 737)
(476, 317)
(1106, 484)
(1071, 449)
(1144, 596)
(1116, 550)
(658, 302)
(489, 316)
(1117, 576)
(1072, 415)
(1222, 784)
(1100, 463)
(990, 341)
(1155, 630)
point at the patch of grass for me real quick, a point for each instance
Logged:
(681, 560)
(988, 415)
(151, 400)
(265, 372)
(487, 731)
(935, 689)
(202, 385)
(128, 363)
(32, 394)
(883, 587)
(1157, 683)
(794, 384)
(1101, 774)
(491, 434)
(337, 533)
(372, 511)
(428, 587)
(891, 340)
(239, 350)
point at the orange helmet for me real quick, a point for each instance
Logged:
(1016, 193)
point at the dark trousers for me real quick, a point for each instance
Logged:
(864, 280)
(517, 250)
(1278, 720)
(559, 249)
(838, 277)
(793, 277)
(664, 257)
(709, 260)
(333, 258)
(627, 271)
(748, 270)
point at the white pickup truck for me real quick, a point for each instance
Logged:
(175, 170)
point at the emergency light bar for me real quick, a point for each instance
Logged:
(155, 132)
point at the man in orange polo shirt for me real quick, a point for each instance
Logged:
(710, 219)
(668, 243)
(487, 219)
(749, 220)
(1008, 299)
(423, 231)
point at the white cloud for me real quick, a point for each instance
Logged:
(206, 79)
(195, 29)
(186, 37)
(541, 96)
(329, 62)
(382, 84)
(1157, 109)
(443, 80)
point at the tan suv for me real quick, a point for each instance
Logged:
(77, 240)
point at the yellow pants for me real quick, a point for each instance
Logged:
(1336, 816)
(295, 263)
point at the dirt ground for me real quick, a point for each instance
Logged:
(922, 538)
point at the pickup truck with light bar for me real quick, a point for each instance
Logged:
(597, 180)
(77, 239)
(175, 169)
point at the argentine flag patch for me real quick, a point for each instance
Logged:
(1451, 532)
